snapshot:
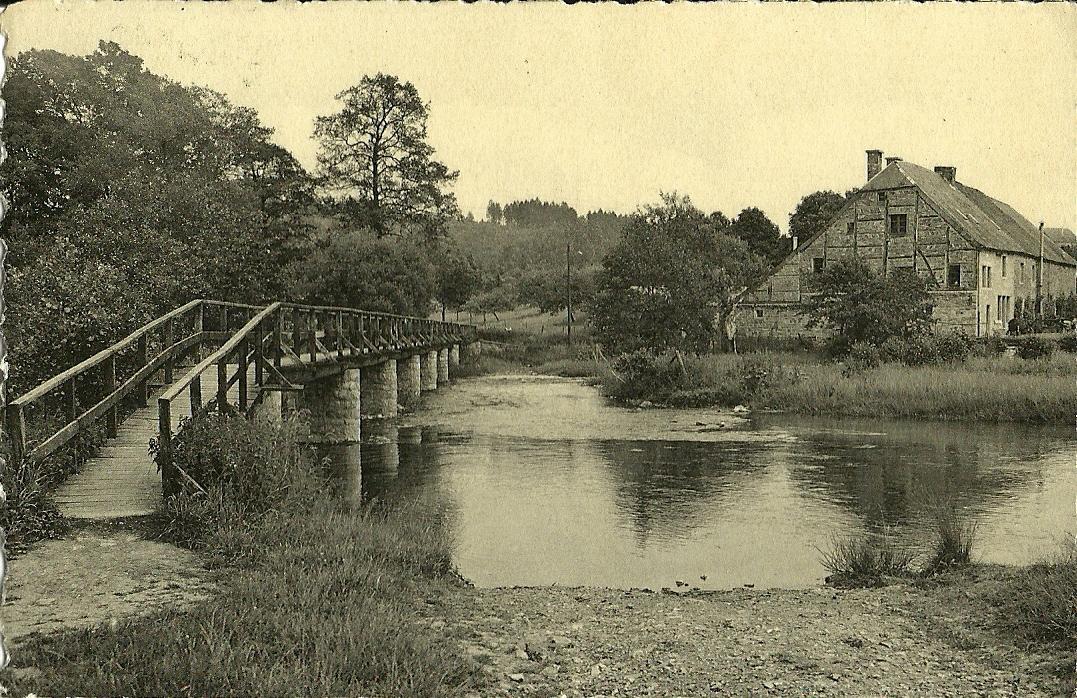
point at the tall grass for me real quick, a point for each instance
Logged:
(317, 599)
(1039, 604)
(997, 389)
(865, 559)
(954, 537)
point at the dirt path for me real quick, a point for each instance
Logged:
(818, 642)
(97, 574)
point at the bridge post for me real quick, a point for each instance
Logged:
(378, 390)
(470, 352)
(269, 408)
(443, 365)
(454, 358)
(408, 379)
(428, 369)
(334, 404)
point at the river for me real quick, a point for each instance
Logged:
(548, 483)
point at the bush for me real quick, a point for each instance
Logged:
(1034, 348)
(865, 560)
(1068, 343)
(648, 375)
(243, 469)
(861, 357)
(989, 346)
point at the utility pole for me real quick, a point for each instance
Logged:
(1039, 278)
(568, 286)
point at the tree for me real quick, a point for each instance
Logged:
(359, 270)
(813, 213)
(493, 212)
(456, 279)
(546, 288)
(374, 153)
(862, 306)
(671, 281)
(762, 235)
(131, 194)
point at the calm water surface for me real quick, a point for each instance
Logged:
(550, 484)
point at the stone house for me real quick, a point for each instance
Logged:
(981, 254)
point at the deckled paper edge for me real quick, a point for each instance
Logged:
(5, 657)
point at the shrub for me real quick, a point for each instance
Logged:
(861, 357)
(1068, 343)
(645, 374)
(864, 560)
(1040, 602)
(243, 469)
(1034, 347)
(989, 346)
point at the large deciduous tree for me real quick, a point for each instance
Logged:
(761, 234)
(374, 153)
(672, 281)
(131, 194)
(860, 305)
(813, 213)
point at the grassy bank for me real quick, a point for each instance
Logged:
(985, 389)
(316, 599)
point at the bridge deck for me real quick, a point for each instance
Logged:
(122, 479)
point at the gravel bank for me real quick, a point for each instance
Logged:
(901, 640)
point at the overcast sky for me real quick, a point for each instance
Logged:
(604, 107)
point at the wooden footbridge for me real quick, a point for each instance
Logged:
(100, 416)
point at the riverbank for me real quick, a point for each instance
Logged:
(320, 625)
(988, 389)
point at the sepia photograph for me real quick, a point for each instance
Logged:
(537, 349)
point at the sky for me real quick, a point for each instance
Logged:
(606, 106)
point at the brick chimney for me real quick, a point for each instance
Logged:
(946, 172)
(892, 159)
(875, 162)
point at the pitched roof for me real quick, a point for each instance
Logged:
(1062, 236)
(985, 221)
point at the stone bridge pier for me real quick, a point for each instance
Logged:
(338, 403)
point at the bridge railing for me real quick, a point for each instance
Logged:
(123, 370)
(286, 335)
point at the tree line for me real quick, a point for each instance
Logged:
(131, 194)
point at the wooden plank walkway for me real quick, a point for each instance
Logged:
(121, 479)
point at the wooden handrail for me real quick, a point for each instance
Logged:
(85, 365)
(225, 349)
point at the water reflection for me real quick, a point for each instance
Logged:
(549, 484)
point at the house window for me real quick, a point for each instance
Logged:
(953, 276)
(899, 225)
(1004, 266)
(849, 227)
(882, 198)
(1021, 273)
(759, 312)
(817, 265)
(985, 276)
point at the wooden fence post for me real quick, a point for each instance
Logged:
(112, 419)
(169, 340)
(164, 447)
(143, 361)
(242, 361)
